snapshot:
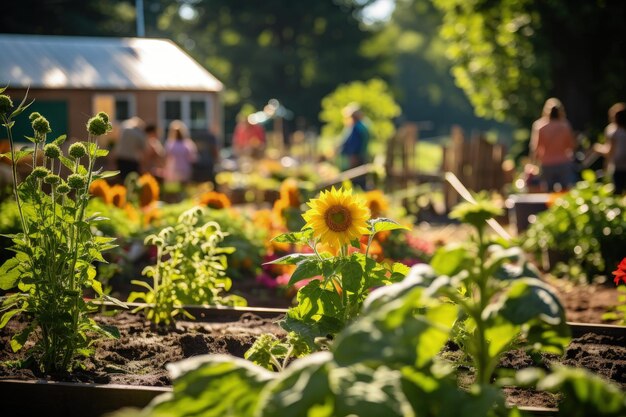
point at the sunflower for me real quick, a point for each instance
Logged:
(101, 189)
(148, 190)
(214, 200)
(337, 217)
(377, 203)
(118, 195)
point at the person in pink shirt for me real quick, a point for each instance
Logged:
(552, 147)
(180, 153)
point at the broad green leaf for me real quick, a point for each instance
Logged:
(214, 386)
(292, 259)
(365, 392)
(10, 273)
(382, 224)
(67, 162)
(352, 276)
(449, 260)
(294, 237)
(101, 153)
(105, 174)
(302, 390)
(305, 269)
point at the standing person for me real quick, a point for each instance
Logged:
(129, 149)
(552, 147)
(615, 147)
(154, 154)
(248, 138)
(180, 153)
(354, 147)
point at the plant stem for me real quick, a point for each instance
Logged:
(6, 121)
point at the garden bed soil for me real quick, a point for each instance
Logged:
(139, 356)
(586, 303)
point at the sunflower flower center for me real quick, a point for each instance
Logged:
(338, 218)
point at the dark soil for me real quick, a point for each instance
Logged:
(139, 356)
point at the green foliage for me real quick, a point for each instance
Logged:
(504, 302)
(583, 393)
(376, 102)
(337, 285)
(190, 269)
(239, 232)
(587, 225)
(55, 252)
(382, 364)
(295, 52)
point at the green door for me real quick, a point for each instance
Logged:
(53, 110)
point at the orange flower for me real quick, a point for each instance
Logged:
(118, 195)
(148, 190)
(278, 210)
(290, 193)
(377, 203)
(214, 200)
(101, 189)
(130, 210)
(151, 213)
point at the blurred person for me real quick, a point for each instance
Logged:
(180, 153)
(153, 157)
(615, 147)
(354, 146)
(130, 147)
(552, 147)
(248, 137)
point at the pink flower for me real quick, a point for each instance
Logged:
(620, 272)
(266, 280)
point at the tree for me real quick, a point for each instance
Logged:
(510, 55)
(69, 17)
(293, 51)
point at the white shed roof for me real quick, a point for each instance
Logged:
(102, 63)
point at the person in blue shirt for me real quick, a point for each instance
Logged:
(354, 147)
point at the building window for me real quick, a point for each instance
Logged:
(119, 107)
(192, 109)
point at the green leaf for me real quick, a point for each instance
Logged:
(18, 341)
(284, 396)
(214, 386)
(352, 276)
(8, 315)
(60, 139)
(102, 153)
(18, 154)
(21, 107)
(292, 259)
(105, 174)
(449, 260)
(67, 162)
(295, 237)
(382, 224)
(10, 272)
(305, 269)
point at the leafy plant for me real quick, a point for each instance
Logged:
(339, 281)
(587, 225)
(56, 248)
(382, 364)
(504, 304)
(190, 269)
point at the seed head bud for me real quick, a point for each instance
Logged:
(52, 150)
(34, 115)
(40, 172)
(76, 181)
(103, 116)
(63, 188)
(97, 126)
(6, 104)
(41, 125)
(77, 150)
(52, 179)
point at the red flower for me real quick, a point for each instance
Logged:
(620, 272)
